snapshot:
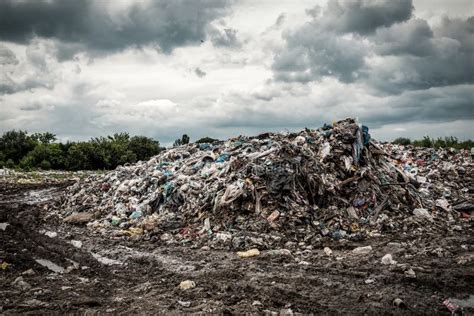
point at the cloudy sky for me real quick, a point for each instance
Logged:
(84, 68)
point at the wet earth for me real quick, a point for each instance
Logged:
(48, 266)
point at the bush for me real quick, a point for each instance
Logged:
(16, 144)
(207, 140)
(402, 141)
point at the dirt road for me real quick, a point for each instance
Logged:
(99, 273)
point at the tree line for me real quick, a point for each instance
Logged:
(447, 142)
(20, 150)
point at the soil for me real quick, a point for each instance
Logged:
(126, 275)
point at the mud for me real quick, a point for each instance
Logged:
(125, 275)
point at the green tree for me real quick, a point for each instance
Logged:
(207, 140)
(144, 147)
(402, 141)
(184, 140)
(16, 144)
(45, 156)
(44, 138)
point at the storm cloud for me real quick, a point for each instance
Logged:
(99, 27)
(380, 44)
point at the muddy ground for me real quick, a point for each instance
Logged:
(123, 275)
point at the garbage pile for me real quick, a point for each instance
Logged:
(293, 189)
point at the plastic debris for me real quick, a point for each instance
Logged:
(327, 251)
(362, 250)
(249, 253)
(387, 259)
(187, 284)
(332, 182)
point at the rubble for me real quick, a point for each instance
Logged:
(274, 188)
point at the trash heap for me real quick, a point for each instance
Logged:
(293, 188)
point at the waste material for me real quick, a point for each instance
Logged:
(76, 243)
(50, 265)
(78, 218)
(387, 259)
(249, 253)
(399, 303)
(327, 251)
(187, 284)
(362, 250)
(277, 252)
(21, 284)
(264, 191)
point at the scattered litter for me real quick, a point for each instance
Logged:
(79, 218)
(249, 253)
(276, 252)
(399, 303)
(76, 243)
(327, 251)
(4, 265)
(421, 212)
(21, 284)
(362, 250)
(387, 259)
(29, 272)
(50, 265)
(3, 226)
(51, 234)
(105, 260)
(184, 304)
(187, 284)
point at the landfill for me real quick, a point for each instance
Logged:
(291, 189)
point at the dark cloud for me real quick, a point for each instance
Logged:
(318, 49)
(363, 16)
(419, 57)
(414, 37)
(200, 73)
(386, 50)
(310, 55)
(89, 25)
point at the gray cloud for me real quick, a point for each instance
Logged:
(200, 73)
(318, 49)
(414, 37)
(387, 50)
(31, 107)
(419, 57)
(88, 25)
(310, 55)
(363, 16)
(224, 38)
(7, 57)
(280, 20)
